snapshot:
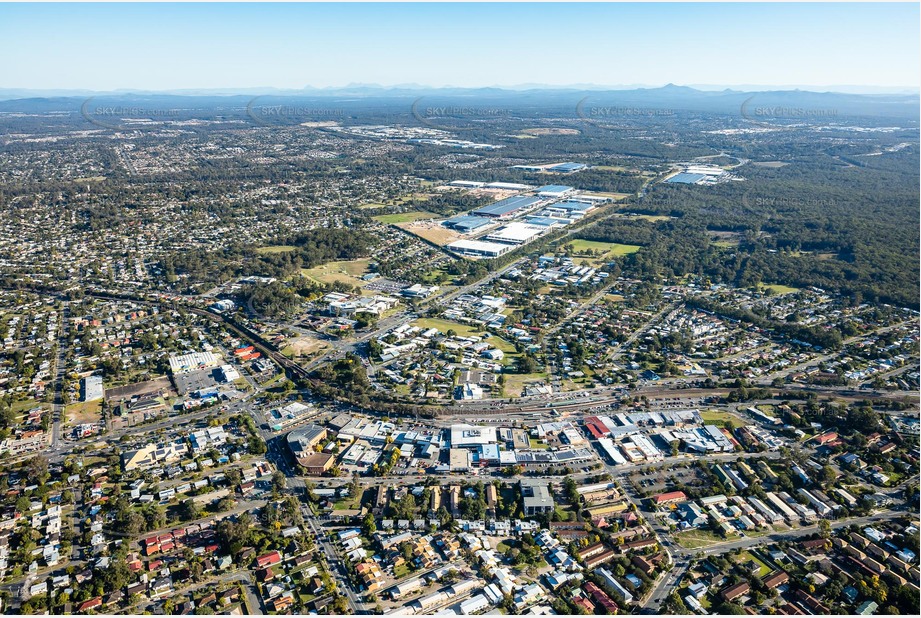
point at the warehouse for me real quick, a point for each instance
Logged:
(507, 207)
(566, 168)
(465, 224)
(92, 388)
(548, 222)
(554, 191)
(478, 248)
(516, 233)
(686, 179)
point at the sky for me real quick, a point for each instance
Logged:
(203, 46)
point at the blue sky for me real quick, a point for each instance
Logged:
(175, 46)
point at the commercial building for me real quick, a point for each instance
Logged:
(536, 498)
(317, 463)
(479, 248)
(301, 441)
(554, 191)
(92, 388)
(468, 436)
(516, 233)
(184, 363)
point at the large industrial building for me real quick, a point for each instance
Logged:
(554, 191)
(478, 248)
(516, 233)
(466, 224)
(507, 207)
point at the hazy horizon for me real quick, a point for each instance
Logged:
(245, 47)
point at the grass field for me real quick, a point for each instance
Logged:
(780, 289)
(347, 271)
(652, 217)
(694, 539)
(85, 412)
(712, 416)
(23, 405)
(515, 382)
(405, 217)
(610, 249)
(463, 330)
(275, 249)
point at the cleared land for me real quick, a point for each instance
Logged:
(715, 416)
(275, 249)
(405, 217)
(84, 412)
(694, 539)
(780, 289)
(431, 231)
(581, 247)
(348, 271)
(304, 346)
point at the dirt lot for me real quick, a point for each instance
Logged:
(87, 412)
(304, 346)
(432, 232)
(159, 386)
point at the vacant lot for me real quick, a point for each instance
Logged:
(581, 247)
(432, 232)
(694, 539)
(275, 249)
(515, 382)
(304, 346)
(85, 412)
(347, 271)
(717, 416)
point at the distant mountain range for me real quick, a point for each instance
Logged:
(782, 103)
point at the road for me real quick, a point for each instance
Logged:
(746, 542)
(336, 567)
(60, 371)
